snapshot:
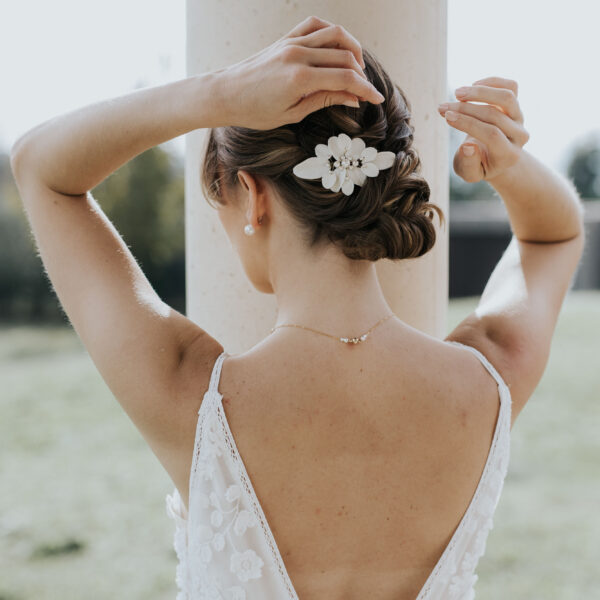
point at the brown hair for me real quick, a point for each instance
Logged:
(389, 216)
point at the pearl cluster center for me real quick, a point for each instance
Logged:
(345, 162)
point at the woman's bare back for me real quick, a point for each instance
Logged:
(363, 458)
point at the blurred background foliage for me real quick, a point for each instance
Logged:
(145, 201)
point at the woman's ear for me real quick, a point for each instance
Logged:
(242, 175)
(255, 196)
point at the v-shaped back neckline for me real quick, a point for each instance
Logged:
(247, 482)
(213, 394)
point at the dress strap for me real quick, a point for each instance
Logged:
(213, 386)
(486, 363)
(206, 407)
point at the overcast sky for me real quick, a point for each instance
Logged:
(59, 55)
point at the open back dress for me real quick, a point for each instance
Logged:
(225, 547)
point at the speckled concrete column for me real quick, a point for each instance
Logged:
(410, 39)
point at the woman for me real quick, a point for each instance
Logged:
(373, 454)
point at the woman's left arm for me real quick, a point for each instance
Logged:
(74, 152)
(138, 343)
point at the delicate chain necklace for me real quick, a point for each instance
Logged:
(353, 340)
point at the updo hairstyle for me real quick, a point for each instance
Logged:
(389, 216)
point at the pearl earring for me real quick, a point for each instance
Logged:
(249, 229)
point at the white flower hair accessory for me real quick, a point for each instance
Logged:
(353, 163)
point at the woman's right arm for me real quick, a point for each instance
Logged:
(515, 319)
(542, 205)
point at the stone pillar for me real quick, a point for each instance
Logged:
(410, 39)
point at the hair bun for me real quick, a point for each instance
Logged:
(402, 229)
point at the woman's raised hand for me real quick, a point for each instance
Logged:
(315, 65)
(495, 131)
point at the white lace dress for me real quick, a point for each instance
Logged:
(225, 547)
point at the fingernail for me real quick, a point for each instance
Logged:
(468, 150)
(461, 91)
(451, 115)
(443, 106)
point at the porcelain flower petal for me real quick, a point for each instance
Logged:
(348, 187)
(384, 160)
(338, 181)
(329, 180)
(368, 154)
(370, 169)
(357, 176)
(339, 144)
(322, 151)
(357, 146)
(312, 168)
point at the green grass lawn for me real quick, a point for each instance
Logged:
(82, 502)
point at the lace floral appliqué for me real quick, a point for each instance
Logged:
(212, 542)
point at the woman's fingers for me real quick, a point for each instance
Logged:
(489, 115)
(313, 79)
(500, 82)
(492, 137)
(338, 56)
(486, 132)
(503, 98)
(334, 36)
(329, 57)
(311, 23)
(469, 163)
